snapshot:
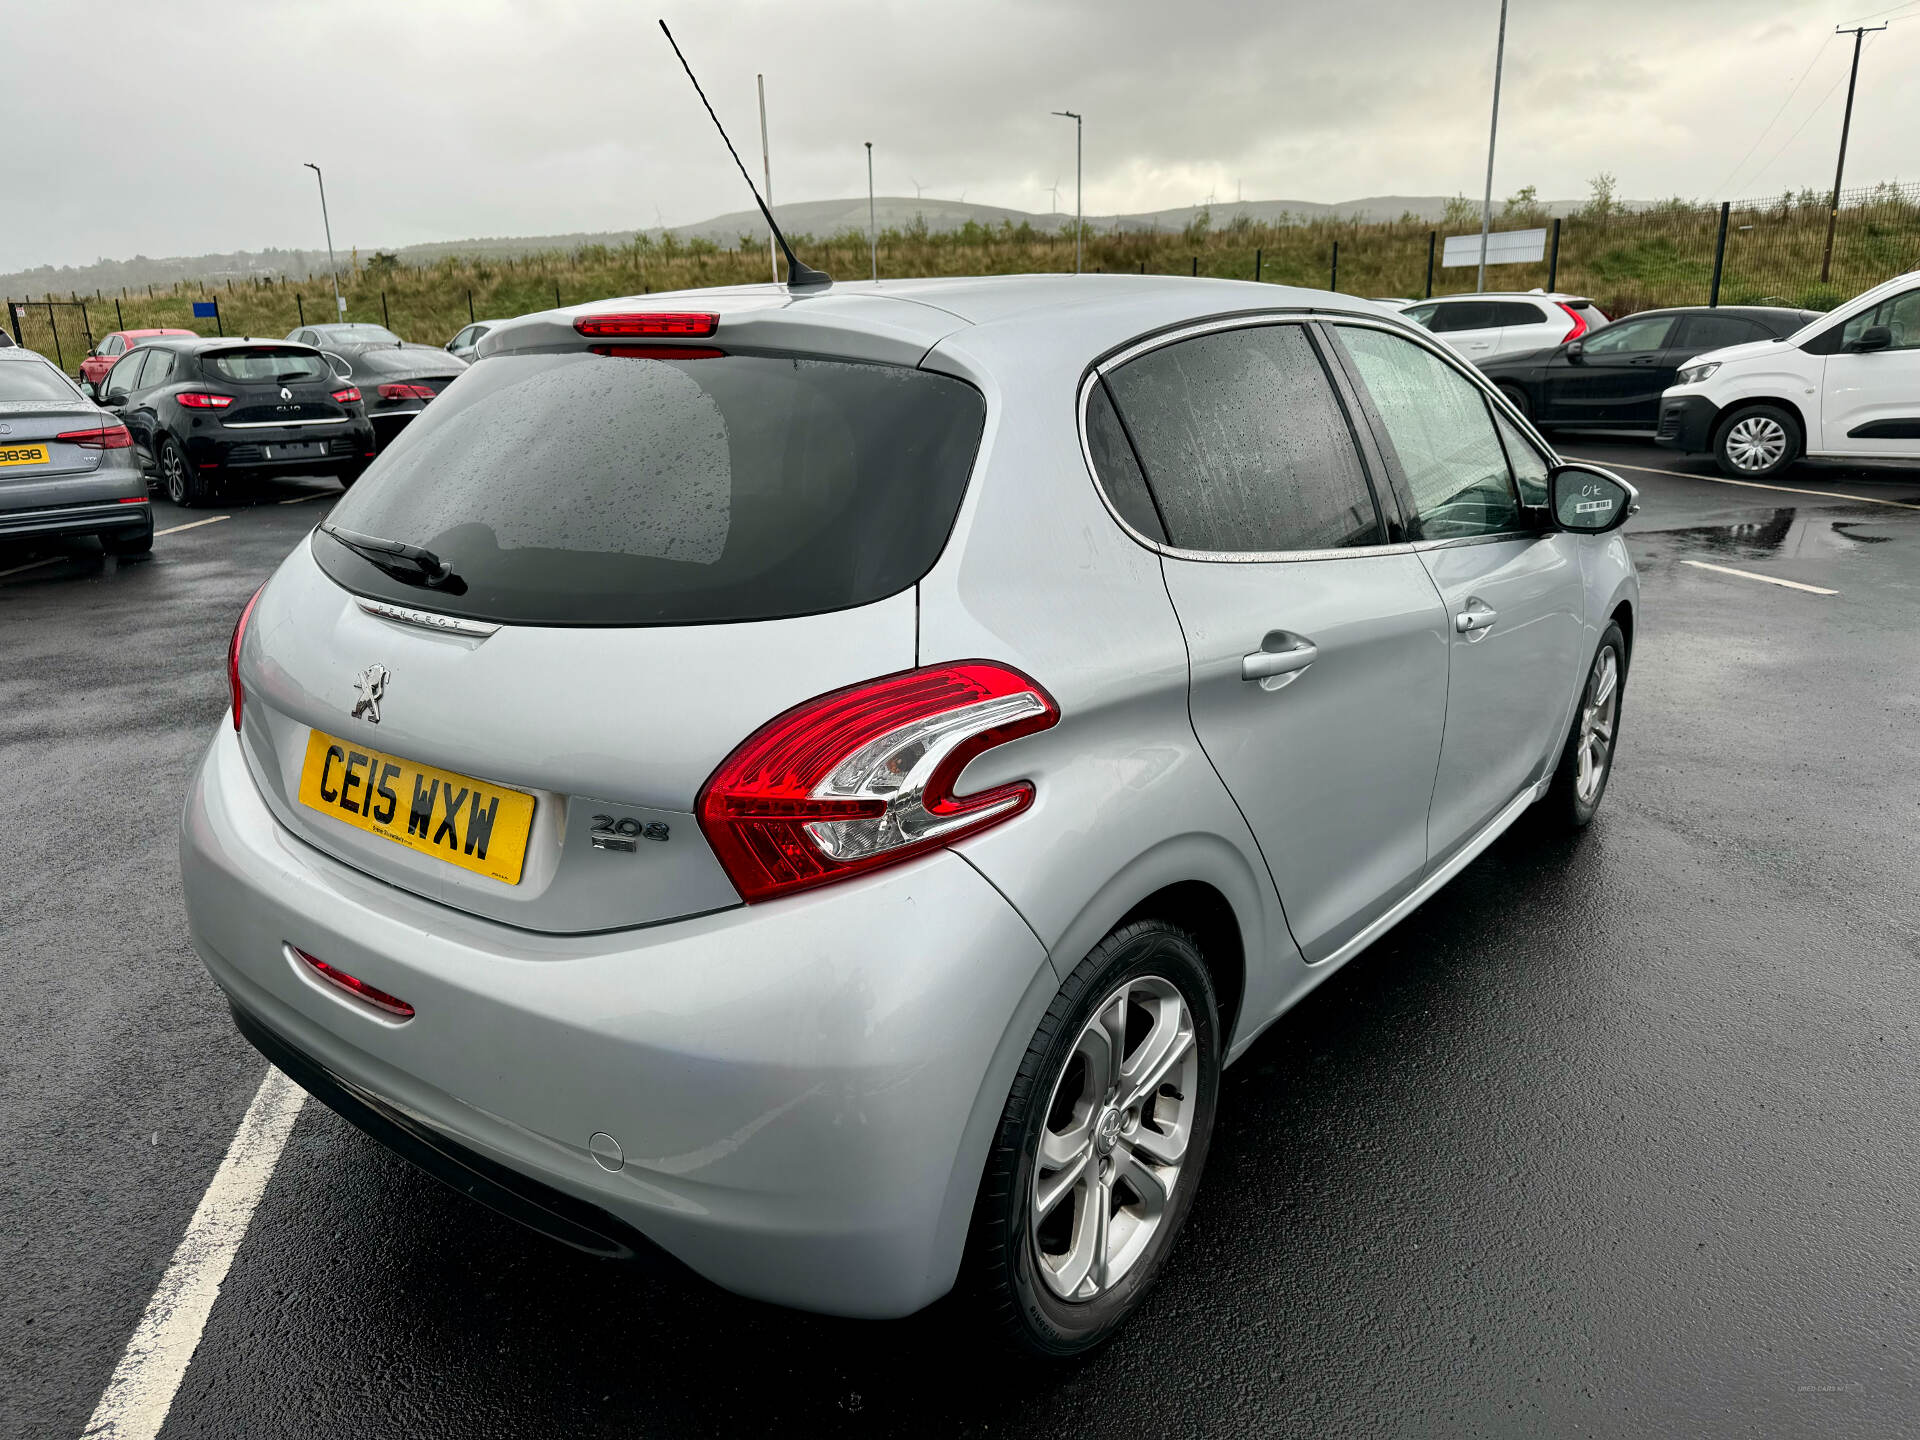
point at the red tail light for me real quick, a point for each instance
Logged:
(1579, 323)
(106, 437)
(203, 400)
(392, 391)
(348, 396)
(233, 655)
(658, 352)
(689, 324)
(355, 986)
(864, 777)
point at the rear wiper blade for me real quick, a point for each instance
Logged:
(413, 564)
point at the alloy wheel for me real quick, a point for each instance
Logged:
(1116, 1132)
(173, 471)
(1599, 714)
(1756, 443)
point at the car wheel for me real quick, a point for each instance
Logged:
(1518, 399)
(125, 543)
(1586, 764)
(1101, 1144)
(1756, 441)
(177, 478)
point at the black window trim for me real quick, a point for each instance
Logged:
(1497, 404)
(1371, 464)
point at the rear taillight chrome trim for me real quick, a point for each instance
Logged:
(864, 777)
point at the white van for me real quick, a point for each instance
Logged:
(1845, 387)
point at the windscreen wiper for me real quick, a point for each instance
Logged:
(412, 564)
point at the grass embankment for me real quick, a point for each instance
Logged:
(1627, 262)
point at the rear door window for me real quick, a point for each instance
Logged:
(1701, 333)
(262, 365)
(1245, 444)
(1515, 312)
(1640, 335)
(124, 377)
(577, 489)
(1462, 315)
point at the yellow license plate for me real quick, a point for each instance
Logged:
(23, 454)
(463, 821)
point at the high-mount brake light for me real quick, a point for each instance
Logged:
(863, 777)
(360, 990)
(398, 391)
(1579, 323)
(348, 396)
(678, 324)
(233, 656)
(203, 400)
(105, 437)
(658, 352)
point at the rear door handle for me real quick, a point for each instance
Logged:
(1475, 618)
(1282, 664)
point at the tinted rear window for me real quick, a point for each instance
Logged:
(576, 489)
(262, 365)
(24, 380)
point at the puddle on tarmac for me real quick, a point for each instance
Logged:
(1785, 532)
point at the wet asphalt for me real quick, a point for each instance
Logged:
(1612, 1137)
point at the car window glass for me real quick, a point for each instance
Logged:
(1901, 316)
(1245, 445)
(113, 345)
(35, 382)
(263, 366)
(1461, 315)
(1631, 337)
(1421, 315)
(1440, 429)
(1515, 312)
(1529, 466)
(1701, 333)
(1117, 466)
(124, 377)
(160, 368)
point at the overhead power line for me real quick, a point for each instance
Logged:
(1812, 65)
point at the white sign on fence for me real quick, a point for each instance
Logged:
(1504, 247)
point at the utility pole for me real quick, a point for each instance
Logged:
(1078, 225)
(1493, 133)
(1859, 33)
(873, 235)
(766, 169)
(339, 306)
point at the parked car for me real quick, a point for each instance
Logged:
(1613, 380)
(110, 348)
(6, 340)
(1845, 387)
(464, 345)
(825, 792)
(397, 379)
(66, 466)
(205, 413)
(1483, 327)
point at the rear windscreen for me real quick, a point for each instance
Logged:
(262, 365)
(28, 381)
(578, 489)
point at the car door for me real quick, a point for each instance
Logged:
(117, 393)
(1870, 399)
(1470, 326)
(1316, 640)
(1614, 377)
(1513, 590)
(1521, 325)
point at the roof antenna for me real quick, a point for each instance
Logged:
(799, 274)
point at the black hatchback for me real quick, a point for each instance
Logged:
(1612, 380)
(206, 412)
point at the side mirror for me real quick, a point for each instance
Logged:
(1587, 500)
(115, 400)
(1874, 337)
(1575, 349)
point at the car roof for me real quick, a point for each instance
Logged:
(22, 354)
(1565, 296)
(193, 344)
(162, 330)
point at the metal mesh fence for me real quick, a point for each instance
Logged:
(61, 330)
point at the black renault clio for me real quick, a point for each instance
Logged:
(206, 412)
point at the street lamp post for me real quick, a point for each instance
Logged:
(1078, 226)
(1493, 132)
(873, 236)
(339, 307)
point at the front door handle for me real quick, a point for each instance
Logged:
(1279, 660)
(1475, 618)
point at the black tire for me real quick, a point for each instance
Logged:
(181, 483)
(1518, 399)
(129, 542)
(1003, 1255)
(1564, 807)
(1753, 442)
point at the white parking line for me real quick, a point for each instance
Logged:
(191, 525)
(32, 565)
(1749, 575)
(137, 1398)
(1749, 484)
(302, 499)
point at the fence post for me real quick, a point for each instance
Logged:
(58, 358)
(300, 306)
(86, 323)
(13, 319)
(470, 306)
(219, 327)
(119, 320)
(1196, 266)
(556, 294)
(1333, 278)
(1553, 263)
(1256, 264)
(1719, 253)
(384, 319)
(1432, 236)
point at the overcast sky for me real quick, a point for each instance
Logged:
(444, 119)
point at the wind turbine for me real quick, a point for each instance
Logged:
(916, 186)
(1055, 189)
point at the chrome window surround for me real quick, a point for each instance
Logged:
(1244, 321)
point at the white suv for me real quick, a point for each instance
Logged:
(1481, 327)
(1845, 387)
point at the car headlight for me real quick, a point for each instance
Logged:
(1694, 374)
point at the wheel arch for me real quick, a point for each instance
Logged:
(1733, 408)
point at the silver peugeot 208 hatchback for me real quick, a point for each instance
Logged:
(821, 782)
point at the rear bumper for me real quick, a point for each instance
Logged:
(341, 447)
(90, 519)
(1686, 423)
(802, 1090)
